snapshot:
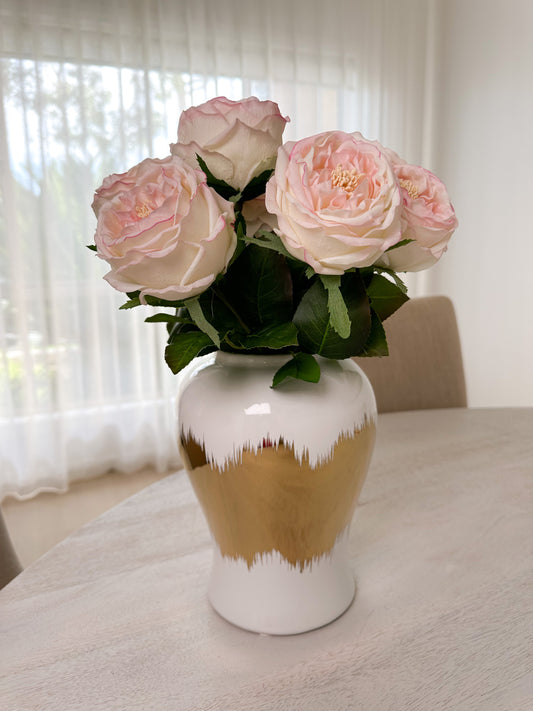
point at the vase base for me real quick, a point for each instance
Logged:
(273, 597)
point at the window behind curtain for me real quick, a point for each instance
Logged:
(88, 89)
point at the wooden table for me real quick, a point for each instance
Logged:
(116, 617)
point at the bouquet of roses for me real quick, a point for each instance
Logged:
(263, 247)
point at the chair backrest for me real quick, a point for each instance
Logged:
(9, 563)
(424, 368)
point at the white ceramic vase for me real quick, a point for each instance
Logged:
(277, 473)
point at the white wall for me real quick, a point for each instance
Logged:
(484, 154)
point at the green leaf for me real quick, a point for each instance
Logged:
(185, 347)
(197, 315)
(385, 296)
(92, 247)
(268, 240)
(220, 312)
(221, 187)
(257, 185)
(259, 288)
(302, 366)
(376, 344)
(156, 301)
(338, 313)
(275, 337)
(384, 270)
(401, 243)
(241, 245)
(240, 226)
(315, 332)
(175, 329)
(167, 318)
(131, 304)
(235, 198)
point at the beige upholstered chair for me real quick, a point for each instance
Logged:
(424, 368)
(9, 563)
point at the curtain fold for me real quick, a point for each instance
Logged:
(88, 89)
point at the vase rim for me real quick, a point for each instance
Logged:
(251, 360)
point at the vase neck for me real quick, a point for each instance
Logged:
(251, 361)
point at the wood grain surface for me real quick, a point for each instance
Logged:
(116, 617)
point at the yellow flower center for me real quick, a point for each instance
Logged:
(410, 187)
(142, 211)
(348, 180)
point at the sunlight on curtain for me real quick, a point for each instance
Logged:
(87, 89)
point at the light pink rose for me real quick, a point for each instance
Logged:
(113, 185)
(427, 217)
(256, 216)
(238, 140)
(337, 201)
(162, 230)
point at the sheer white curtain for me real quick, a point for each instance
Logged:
(87, 89)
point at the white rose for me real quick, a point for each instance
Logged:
(238, 140)
(256, 216)
(162, 230)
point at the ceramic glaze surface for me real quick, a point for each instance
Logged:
(311, 417)
(273, 597)
(278, 474)
(279, 503)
